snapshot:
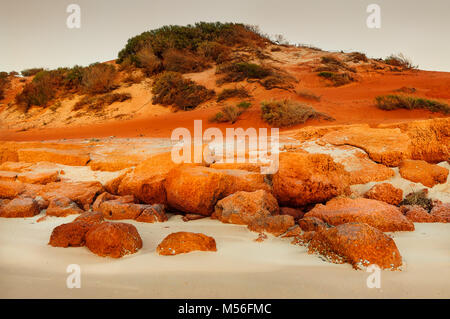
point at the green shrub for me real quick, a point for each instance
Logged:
(228, 113)
(392, 102)
(183, 61)
(170, 88)
(399, 60)
(239, 71)
(31, 72)
(284, 113)
(244, 105)
(214, 51)
(99, 78)
(240, 92)
(337, 79)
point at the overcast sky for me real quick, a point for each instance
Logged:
(34, 33)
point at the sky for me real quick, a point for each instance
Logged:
(33, 33)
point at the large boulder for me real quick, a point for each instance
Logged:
(258, 210)
(113, 239)
(38, 177)
(430, 139)
(185, 242)
(152, 214)
(308, 178)
(378, 214)
(196, 189)
(423, 172)
(357, 244)
(82, 193)
(62, 207)
(417, 214)
(70, 235)
(385, 192)
(20, 207)
(385, 146)
(11, 189)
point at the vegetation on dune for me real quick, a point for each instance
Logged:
(356, 57)
(202, 41)
(282, 113)
(170, 88)
(392, 102)
(31, 72)
(399, 60)
(240, 71)
(240, 92)
(230, 113)
(96, 103)
(308, 95)
(333, 64)
(337, 79)
(4, 84)
(49, 84)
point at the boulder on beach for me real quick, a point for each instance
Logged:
(152, 214)
(418, 214)
(309, 223)
(385, 192)
(185, 242)
(20, 207)
(113, 239)
(90, 217)
(308, 178)
(423, 172)
(358, 244)
(377, 214)
(70, 235)
(62, 207)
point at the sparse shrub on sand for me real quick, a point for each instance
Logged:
(333, 64)
(240, 92)
(230, 113)
(282, 113)
(183, 61)
(393, 102)
(98, 102)
(170, 88)
(31, 72)
(399, 60)
(337, 79)
(214, 51)
(240, 71)
(308, 95)
(99, 78)
(357, 57)
(4, 84)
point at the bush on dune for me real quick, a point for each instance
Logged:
(240, 71)
(337, 79)
(99, 78)
(393, 102)
(239, 92)
(183, 61)
(284, 113)
(4, 84)
(98, 102)
(400, 60)
(31, 72)
(170, 88)
(230, 113)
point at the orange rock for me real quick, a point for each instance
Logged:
(251, 167)
(276, 225)
(417, 214)
(90, 217)
(185, 242)
(115, 209)
(430, 139)
(304, 238)
(311, 224)
(196, 189)
(378, 214)
(107, 196)
(294, 231)
(14, 166)
(152, 214)
(357, 244)
(38, 177)
(70, 235)
(7, 176)
(385, 192)
(11, 189)
(308, 178)
(113, 239)
(261, 237)
(20, 207)
(146, 181)
(62, 206)
(70, 157)
(294, 212)
(242, 207)
(385, 146)
(189, 217)
(441, 212)
(112, 186)
(82, 193)
(423, 172)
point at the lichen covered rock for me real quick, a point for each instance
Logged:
(385, 192)
(185, 242)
